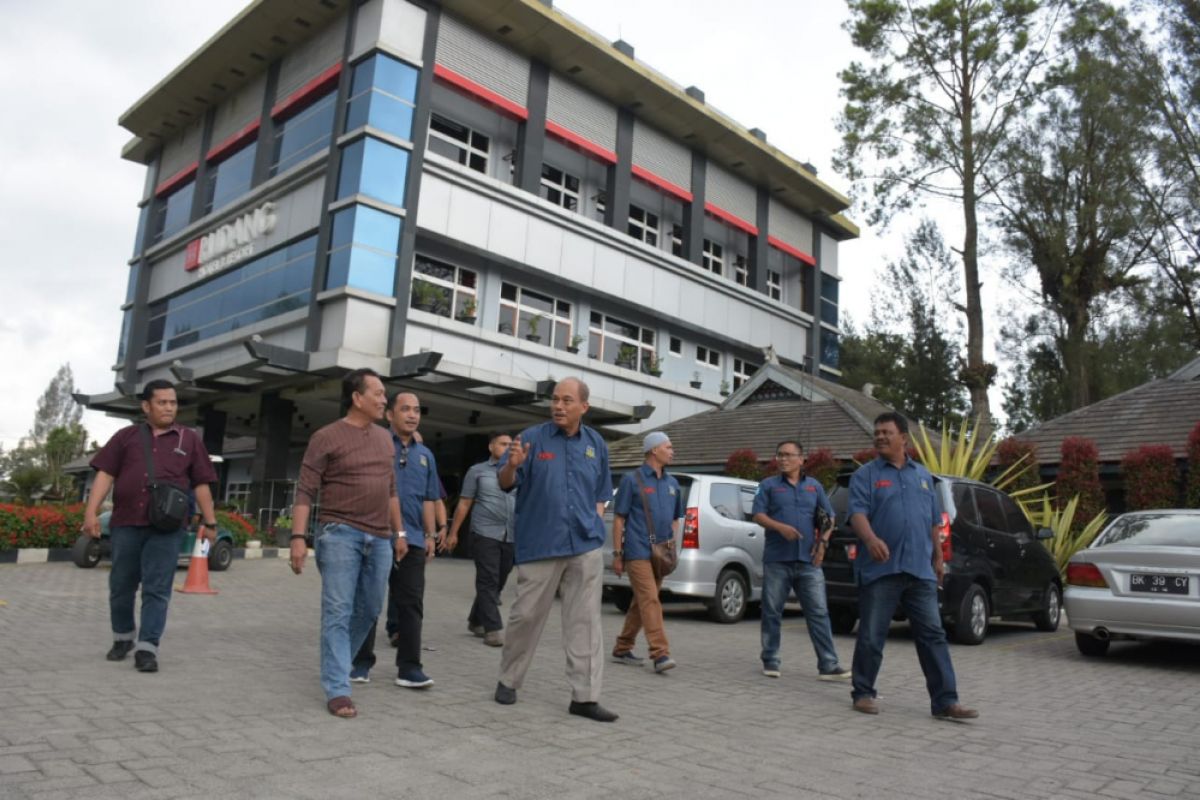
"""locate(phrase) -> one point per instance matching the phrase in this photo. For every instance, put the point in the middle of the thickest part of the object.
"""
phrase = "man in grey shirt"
(492, 545)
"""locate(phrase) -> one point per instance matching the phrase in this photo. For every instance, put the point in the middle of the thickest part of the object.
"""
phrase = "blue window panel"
(829, 312)
(131, 282)
(363, 248)
(380, 111)
(367, 226)
(303, 135)
(123, 342)
(382, 93)
(172, 213)
(375, 169)
(829, 288)
(363, 268)
(830, 349)
(143, 216)
(230, 179)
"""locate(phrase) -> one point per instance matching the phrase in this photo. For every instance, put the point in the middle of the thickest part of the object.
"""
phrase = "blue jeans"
(877, 602)
(147, 556)
(780, 578)
(354, 569)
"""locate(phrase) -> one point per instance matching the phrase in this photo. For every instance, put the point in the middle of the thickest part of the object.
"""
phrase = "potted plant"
(282, 529)
(626, 356)
(532, 326)
(576, 340)
(653, 366)
(467, 313)
(724, 388)
(426, 296)
(695, 382)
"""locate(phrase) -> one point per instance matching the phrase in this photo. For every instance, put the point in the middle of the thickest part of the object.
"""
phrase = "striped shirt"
(351, 468)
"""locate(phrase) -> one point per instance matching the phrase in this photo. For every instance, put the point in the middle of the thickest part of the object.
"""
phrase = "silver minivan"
(720, 561)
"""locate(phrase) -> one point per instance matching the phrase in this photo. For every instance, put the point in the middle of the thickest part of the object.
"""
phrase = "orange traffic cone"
(197, 577)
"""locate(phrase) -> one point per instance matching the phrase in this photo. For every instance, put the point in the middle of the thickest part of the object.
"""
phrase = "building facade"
(472, 199)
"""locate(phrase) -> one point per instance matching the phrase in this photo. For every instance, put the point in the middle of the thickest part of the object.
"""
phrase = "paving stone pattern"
(236, 710)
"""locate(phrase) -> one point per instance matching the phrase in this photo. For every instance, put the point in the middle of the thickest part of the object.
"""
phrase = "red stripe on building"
(586, 146)
(231, 144)
(307, 94)
(178, 179)
(659, 182)
(731, 219)
(470, 87)
(791, 251)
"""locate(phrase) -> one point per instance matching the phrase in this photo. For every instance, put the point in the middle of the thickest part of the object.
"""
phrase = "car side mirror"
(1045, 533)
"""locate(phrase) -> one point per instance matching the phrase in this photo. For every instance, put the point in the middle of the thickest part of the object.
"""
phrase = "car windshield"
(1157, 530)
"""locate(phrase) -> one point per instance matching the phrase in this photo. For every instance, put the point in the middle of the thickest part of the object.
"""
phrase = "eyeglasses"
(788, 455)
(403, 457)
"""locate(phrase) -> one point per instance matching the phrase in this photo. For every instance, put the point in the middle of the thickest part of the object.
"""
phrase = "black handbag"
(663, 557)
(168, 507)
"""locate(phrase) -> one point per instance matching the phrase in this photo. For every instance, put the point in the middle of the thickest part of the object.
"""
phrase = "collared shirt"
(558, 487)
(349, 468)
(902, 507)
(665, 500)
(791, 504)
(492, 510)
(179, 459)
(416, 482)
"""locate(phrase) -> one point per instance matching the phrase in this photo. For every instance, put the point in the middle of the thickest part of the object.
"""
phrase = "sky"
(68, 202)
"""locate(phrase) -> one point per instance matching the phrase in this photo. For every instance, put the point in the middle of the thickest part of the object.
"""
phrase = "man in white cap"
(647, 511)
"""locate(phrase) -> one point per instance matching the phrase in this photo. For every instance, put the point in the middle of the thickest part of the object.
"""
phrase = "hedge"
(39, 526)
(1193, 484)
(1151, 479)
(1079, 474)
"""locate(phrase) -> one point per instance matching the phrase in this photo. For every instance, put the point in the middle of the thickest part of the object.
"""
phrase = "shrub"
(39, 526)
(1193, 481)
(1079, 474)
(864, 455)
(1151, 480)
(240, 527)
(744, 464)
(821, 465)
(1013, 451)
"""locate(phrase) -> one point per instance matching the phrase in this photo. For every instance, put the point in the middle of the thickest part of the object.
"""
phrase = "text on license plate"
(1158, 584)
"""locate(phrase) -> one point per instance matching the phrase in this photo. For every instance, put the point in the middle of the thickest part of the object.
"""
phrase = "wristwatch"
(212, 525)
(400, 535)
(618, 553)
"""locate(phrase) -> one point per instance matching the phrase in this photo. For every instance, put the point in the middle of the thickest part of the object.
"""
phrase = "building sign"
(230, 243)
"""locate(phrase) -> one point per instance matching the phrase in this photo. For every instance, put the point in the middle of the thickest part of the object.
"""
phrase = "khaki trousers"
(580, 580)
(645, 612)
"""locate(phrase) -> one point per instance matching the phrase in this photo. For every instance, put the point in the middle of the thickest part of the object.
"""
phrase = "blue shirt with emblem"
(416, 482)
(558, 487)
(791, 504)
(902, 506)
(666, 505)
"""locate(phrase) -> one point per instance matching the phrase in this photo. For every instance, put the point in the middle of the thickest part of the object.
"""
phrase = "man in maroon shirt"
(142, 553)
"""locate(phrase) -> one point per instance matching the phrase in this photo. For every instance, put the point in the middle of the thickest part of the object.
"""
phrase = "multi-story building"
(471, 198)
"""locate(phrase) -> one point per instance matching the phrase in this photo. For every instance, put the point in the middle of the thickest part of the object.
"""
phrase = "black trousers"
(493, 563)
(405, 613)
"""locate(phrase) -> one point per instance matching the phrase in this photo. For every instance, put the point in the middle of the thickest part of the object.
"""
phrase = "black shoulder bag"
(168, 508)
(663, 557)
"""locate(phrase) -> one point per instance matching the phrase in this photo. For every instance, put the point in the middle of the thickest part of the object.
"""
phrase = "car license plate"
(1158, 584)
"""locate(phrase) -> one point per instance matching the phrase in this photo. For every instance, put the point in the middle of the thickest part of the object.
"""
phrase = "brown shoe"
(494, 638)
(956, 713)
(866, 705)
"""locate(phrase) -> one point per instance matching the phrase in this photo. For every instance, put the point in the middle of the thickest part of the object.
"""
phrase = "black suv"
(995, 565)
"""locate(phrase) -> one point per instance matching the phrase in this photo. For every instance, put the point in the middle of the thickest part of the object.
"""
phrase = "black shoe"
(505, 695)
(119, 651)
(592, 711)
(145, 661)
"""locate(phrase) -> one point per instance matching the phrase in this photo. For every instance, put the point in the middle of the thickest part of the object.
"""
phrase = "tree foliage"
(56, 407)
(1079, 476)
(1151, 477)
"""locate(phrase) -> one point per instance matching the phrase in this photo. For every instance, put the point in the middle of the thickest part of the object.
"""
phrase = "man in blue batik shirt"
(895, 513)
(560, 473)
(785, 505)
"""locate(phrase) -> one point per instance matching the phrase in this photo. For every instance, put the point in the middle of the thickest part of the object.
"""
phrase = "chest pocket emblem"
(672, 491)
(590, 452)
(424, 462)
(924, 485)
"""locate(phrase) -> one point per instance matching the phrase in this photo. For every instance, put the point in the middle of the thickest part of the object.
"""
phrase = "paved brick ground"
(237, 711)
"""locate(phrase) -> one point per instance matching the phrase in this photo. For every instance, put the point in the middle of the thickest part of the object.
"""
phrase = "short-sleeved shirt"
(665, 499)
(902, 507)
(416, 482)
(492, 509)
(350, 468)
(179, 459)
(791, 504)
(557, 488)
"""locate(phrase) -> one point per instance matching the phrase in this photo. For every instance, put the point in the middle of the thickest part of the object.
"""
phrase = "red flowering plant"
(821, 465)
(1079, 474)
(865, 455)
(744, 464)
(1151, 479)
(1013, 451)
(1193, 482)
(39, 526)
(238, 526)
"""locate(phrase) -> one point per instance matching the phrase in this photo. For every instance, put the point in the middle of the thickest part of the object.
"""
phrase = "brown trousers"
(645, 612)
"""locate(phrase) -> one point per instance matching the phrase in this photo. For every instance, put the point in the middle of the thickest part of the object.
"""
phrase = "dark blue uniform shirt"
(792, 505)
(902, 507)
(558, 487)
(666, 505)
(416, 482)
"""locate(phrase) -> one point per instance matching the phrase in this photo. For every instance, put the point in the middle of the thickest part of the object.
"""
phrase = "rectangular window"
(229, 179)
(774, 285)
(173, 212)
(303, 135)
(621, 343)
(643, 225)
(374, 168)
(362, 250)
(675, 346)
(457, 142)
(273, 284)
(381, 95)
(829, 300)
(741, 270)
(708, 357)
(830, 352)
(742, 370)
(560, 187)
(444, 289)
(536, 316)
(714, 257)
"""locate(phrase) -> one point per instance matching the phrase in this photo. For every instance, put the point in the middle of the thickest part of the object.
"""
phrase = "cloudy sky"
(68, 69)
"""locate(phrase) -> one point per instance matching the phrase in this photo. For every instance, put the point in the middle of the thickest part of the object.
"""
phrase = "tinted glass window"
(303, 135)
(172, 213)
(363, 253)
(374, 168)
(230, 179)
(726, 500)
(964, 504)
(991, 513)
(1017, 521)
(1162, 530)
(747, 502)
(685, 488)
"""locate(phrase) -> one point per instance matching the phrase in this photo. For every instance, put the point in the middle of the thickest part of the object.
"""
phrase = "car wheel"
(1089, 645)
(1047, 619)
(970, 627)
(221, 556)
(622, 599)
(731, 598)
(86, 552)
(842, 619)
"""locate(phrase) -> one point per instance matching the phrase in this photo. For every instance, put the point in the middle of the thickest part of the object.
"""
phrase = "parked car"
(995, 564)
(1139, 579)
(720, 560)
(88, 552)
